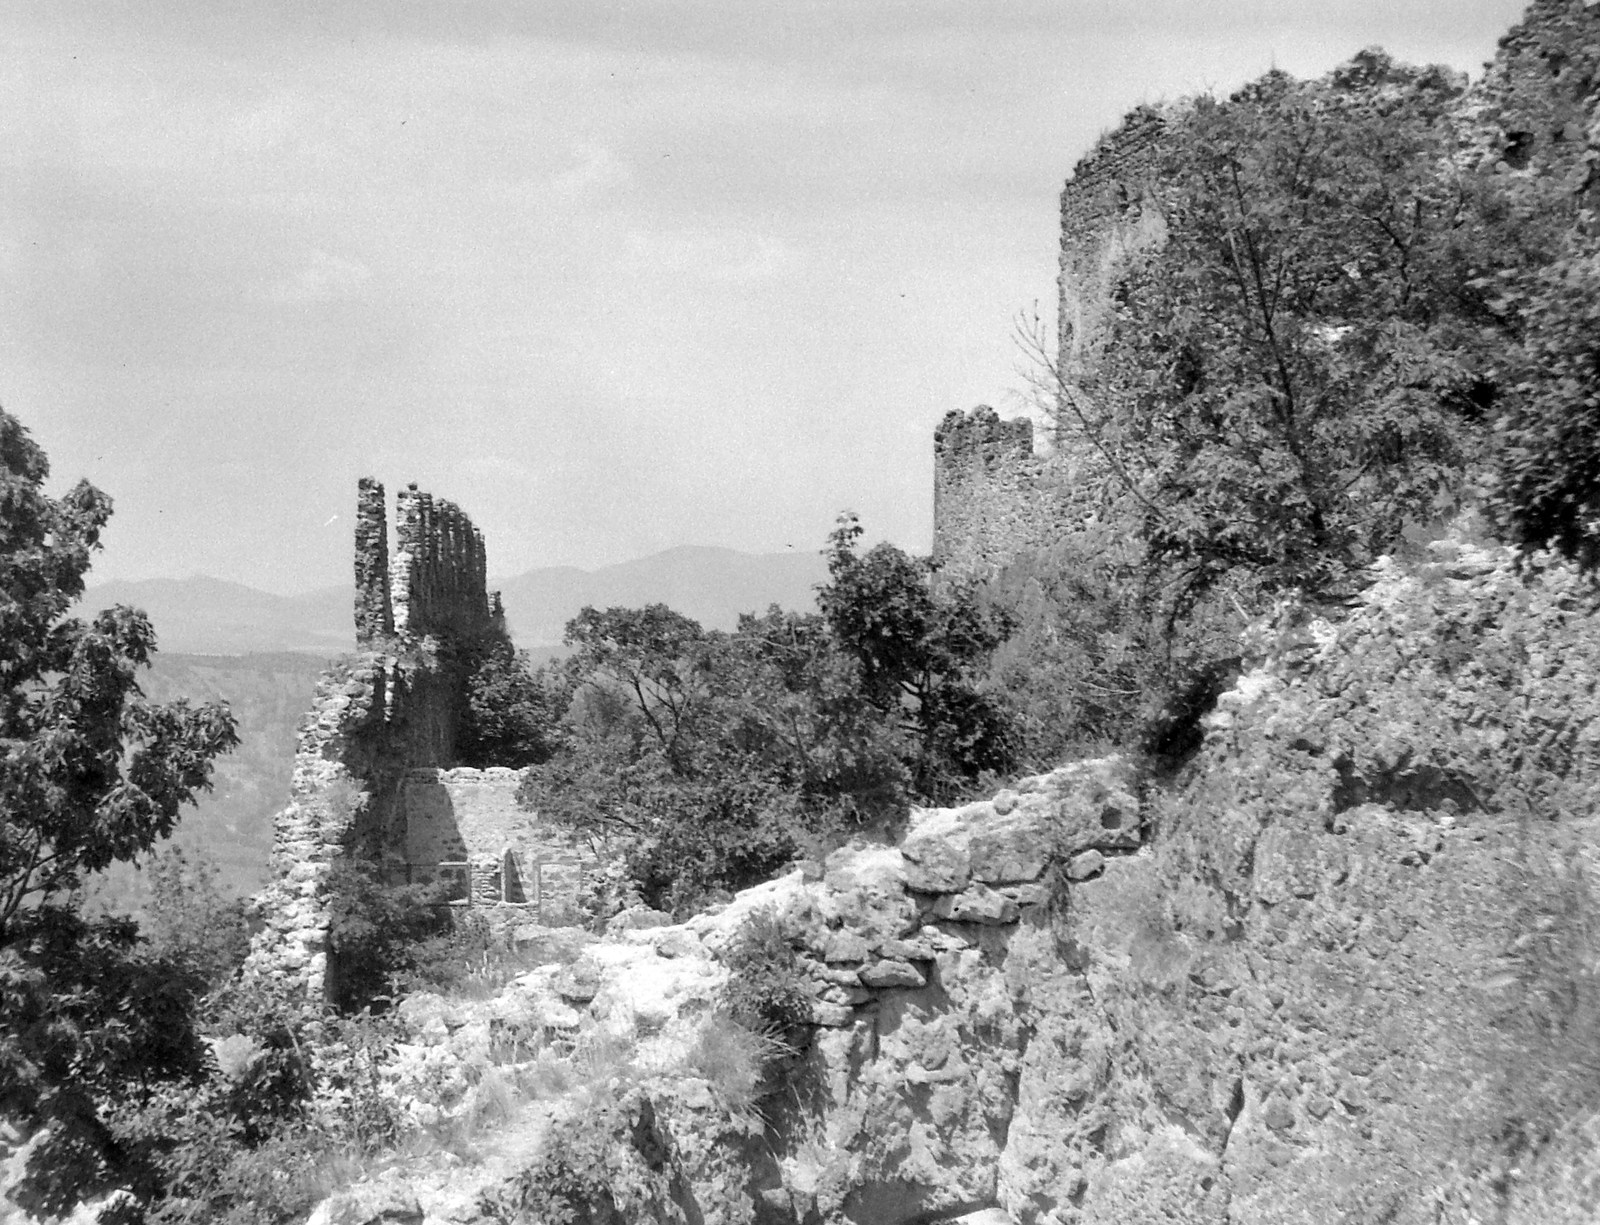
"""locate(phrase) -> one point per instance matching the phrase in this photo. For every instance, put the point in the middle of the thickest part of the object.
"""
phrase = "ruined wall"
(994, 497)
(467, 826)
(1107, 212)
(376, 753)
(1535, 112)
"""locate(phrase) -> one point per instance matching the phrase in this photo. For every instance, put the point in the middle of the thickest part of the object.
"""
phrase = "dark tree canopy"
(90, 774)
(715, 758)
(1283, 388)
(922, 652)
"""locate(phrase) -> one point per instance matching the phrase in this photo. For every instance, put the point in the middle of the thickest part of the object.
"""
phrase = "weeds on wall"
(766, 991)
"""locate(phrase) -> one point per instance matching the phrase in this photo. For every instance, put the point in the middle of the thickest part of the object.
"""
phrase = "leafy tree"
(716, 758)
(1288, 379)
(513, 710)
(1548, 438)
(660, 757)
(189, 921)
(921, 654)
(90, 773)
(658, 659)
(801, 703)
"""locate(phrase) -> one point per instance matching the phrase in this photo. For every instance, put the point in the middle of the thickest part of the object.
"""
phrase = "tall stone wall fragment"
(373, 779)
(1108, 212)
(439, 571)
(374, 616)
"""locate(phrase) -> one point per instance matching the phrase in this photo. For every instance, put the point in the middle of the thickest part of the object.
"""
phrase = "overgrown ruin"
(997, 496)
(376, 774)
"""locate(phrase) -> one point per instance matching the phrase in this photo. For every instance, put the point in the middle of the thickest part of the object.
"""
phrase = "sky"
(613, 276)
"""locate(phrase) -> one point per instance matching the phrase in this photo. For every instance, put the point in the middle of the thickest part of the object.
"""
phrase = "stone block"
(1086, 864)
(1035, 893)
(675, 942)
(841, 976)
(844, 945)
(865, 891)
(1014, 851)
(979, 904)
(906, 950)
(578, 984)
(942, 941)
(882, 974)
(637, 918)
(833, 1016)
(844, 995)
(935, 852)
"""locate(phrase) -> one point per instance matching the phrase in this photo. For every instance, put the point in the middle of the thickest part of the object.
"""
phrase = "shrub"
(190, 921)
(379, 935)
(734, 1059)
(765, 992)
(607, 1164)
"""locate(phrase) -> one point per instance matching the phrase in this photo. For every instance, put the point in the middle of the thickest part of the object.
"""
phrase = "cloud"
(322, 278)
(715, 254)
(598, 169)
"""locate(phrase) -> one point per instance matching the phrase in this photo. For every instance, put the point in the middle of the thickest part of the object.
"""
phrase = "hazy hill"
(269, 694)
(207, 616)
(709, 584)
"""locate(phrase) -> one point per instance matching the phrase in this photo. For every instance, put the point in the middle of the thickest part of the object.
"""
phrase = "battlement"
(434, 582)
(993, 497)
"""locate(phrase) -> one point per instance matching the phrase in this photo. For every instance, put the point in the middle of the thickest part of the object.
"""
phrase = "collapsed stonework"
(376, 777)
(1342, 970)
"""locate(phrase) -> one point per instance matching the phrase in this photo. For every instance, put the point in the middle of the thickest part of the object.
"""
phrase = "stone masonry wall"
(437, 577)
(377, 749)
(994, 497)
(1106, 213)
(374, 612)
(467, 825)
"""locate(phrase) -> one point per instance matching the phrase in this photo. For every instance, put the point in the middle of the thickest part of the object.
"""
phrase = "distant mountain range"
(207, 616)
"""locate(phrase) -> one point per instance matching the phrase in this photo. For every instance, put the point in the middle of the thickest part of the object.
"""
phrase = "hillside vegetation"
(1304, 930)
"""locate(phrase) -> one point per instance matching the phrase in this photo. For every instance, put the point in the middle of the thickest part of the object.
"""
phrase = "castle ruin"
(996, 497)
(376, 777)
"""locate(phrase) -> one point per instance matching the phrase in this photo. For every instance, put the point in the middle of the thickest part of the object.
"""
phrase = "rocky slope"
(1343, 970)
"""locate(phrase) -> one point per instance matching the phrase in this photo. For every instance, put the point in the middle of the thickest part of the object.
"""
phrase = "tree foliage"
(921, 653)
(1284, 387)
(513, 710)
(189, 921)
(1548, 439)
(90, 774)
(715, 758)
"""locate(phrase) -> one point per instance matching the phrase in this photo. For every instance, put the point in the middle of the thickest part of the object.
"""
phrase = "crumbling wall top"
(435, 579)
(980, 437)
(374, 615)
